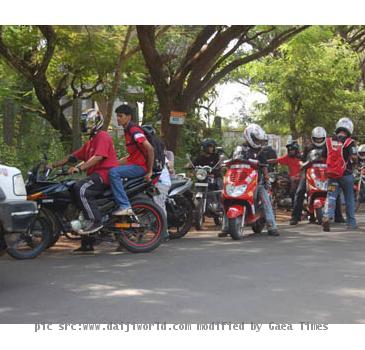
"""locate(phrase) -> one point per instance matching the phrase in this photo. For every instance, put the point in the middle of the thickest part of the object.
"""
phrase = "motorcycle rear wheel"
(185, 208)
(148, 237)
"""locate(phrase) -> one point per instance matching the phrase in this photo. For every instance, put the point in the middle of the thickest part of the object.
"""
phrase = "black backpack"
(156, 143)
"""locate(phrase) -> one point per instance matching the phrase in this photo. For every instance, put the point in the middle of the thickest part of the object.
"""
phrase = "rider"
(318, 142)
(292, 161)
(343, 133)
(361, 155)
(254, 138)
(209, 156)
(98, 156)
(139, 162)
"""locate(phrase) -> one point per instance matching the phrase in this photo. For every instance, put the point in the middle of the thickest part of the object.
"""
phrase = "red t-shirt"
(102, 145)
(136, 157)
(293, 163)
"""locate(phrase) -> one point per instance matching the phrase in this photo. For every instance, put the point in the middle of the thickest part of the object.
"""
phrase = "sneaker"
(326, 226)
(123, 212)
(273, 232)
(90, 228)
(349, 227)
(222, 234)
(340, 220)
(84, 249)
(293, 222)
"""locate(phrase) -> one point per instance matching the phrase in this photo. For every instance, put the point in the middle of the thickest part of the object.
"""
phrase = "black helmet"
(293, 146)
(208, 142)
(148, 128)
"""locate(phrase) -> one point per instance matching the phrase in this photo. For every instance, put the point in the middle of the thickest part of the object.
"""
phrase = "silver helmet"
(361, 152)
(254, 135)
(91, 121)
(319, 136)
(345, 124)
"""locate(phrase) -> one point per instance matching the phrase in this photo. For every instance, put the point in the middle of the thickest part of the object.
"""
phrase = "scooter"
(316, 186)
(241, 205)
(20, 236)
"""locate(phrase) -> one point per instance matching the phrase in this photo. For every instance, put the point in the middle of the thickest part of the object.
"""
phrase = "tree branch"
(276, 42)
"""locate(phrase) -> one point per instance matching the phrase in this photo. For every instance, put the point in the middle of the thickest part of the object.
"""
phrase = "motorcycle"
(207, 194)
(316, 185)
(180, 207)
(241, 205)
(140, 232)
(21, 235)
(280, 184)
(359, 187)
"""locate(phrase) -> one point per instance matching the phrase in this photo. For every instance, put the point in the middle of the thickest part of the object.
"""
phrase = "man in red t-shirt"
(292, 161)
(98, 156)
(139, 162)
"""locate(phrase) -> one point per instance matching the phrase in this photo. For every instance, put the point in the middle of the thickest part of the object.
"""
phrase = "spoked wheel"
(142, 234)
(30, 244)
(181, 220)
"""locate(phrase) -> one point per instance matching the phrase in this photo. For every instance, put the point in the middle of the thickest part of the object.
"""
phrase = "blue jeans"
(116, 184)
(346, 183)
(269, 212)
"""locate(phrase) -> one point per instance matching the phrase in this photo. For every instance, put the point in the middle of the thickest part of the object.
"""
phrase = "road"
(303, 275)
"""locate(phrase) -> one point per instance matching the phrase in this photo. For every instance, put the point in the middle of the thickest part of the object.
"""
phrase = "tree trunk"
(76, 133)
(293, 127)
(9, 122)
(53, 110)
(170, 132)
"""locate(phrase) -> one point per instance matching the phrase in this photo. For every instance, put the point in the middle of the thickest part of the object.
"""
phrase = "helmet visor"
(318, 139)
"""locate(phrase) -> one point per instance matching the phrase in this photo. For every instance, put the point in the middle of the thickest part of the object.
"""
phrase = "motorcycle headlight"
(321, 185)
(19, 186)
(201, 174)
(236, 191)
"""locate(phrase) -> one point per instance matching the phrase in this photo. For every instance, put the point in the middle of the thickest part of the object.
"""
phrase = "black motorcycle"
(207, 194)
(180, 207)
(140, 232)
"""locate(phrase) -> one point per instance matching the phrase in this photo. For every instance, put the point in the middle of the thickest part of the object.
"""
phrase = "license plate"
(201, 184)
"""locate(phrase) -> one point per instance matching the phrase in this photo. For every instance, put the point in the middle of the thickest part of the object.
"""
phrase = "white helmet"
(361, 152)
(254, 135)
(319, 136)
(91, 121)
(345, 124)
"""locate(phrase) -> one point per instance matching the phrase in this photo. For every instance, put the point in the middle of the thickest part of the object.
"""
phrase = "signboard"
(177, 118)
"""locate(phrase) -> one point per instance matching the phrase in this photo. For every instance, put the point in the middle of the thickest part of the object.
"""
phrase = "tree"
(185, 68)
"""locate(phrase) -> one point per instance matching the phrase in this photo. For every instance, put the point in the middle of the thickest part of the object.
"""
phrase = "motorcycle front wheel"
(30, 244)
(235, 229)
(199, 214)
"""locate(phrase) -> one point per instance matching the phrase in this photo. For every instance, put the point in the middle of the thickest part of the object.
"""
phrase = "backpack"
(336, 164)
(156, 143)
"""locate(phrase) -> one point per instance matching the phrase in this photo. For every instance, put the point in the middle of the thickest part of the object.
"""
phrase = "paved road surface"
(303, 275)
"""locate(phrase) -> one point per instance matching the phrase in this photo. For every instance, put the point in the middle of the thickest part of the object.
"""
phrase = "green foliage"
(311, 81)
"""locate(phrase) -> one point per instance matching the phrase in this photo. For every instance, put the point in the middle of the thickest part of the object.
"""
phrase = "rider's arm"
(150, 156)
(68, 159)
(123, 161)
(90, 163)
